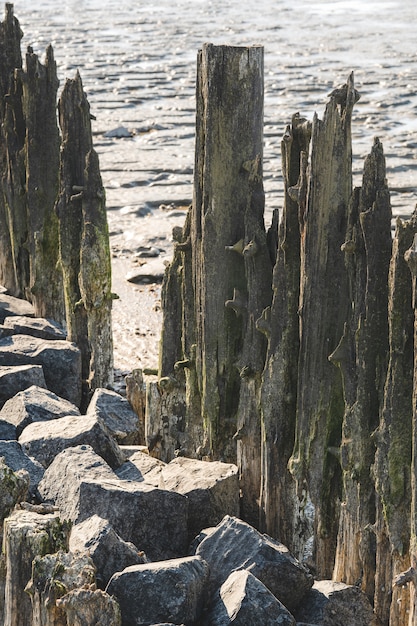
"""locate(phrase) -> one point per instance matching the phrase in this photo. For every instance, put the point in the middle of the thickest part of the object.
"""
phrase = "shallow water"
(137, 61)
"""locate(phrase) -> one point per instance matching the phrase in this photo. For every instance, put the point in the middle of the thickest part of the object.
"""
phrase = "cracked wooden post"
(281, 325)
(84, 241)
(393, 437)
(362, 355)
(411, 575)
(324, 307)
(13, 227)
(229, 135)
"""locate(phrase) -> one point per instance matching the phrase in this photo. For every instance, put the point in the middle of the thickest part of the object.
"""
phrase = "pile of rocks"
(96, 531)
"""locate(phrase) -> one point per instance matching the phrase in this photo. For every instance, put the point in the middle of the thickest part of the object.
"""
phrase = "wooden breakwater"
(289, 351)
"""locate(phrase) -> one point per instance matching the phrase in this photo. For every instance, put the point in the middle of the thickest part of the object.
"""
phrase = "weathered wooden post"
(84, 242)
(13, 229)
(324, 306)
(362, 356)
(281, 325)
(392, 470)
(410, 576)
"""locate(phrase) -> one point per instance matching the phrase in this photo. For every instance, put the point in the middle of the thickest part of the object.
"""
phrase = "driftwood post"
(324, 305)
(84, 242)
(362, 356)
(281, 325)
(394, 439)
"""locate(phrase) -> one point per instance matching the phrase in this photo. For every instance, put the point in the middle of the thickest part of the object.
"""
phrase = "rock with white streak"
(45, 440)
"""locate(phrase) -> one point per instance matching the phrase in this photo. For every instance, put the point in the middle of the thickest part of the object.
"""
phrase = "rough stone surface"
(170, 591)
(54, 575)
(235, 545)
(331, 603)
(62, 479)
(44, 440)
(244, 601)
(34, 326)
(27, 535)
(116, 412)
(212, 489)
(61, 362)
(7, 431)
(13, 489)
(35, 404)
(142, 467)
(86, 606)
(14, 306)
(16, 459)
(17, 377)
(107, 550)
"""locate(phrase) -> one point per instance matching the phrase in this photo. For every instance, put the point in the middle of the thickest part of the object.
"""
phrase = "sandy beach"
(138, 62)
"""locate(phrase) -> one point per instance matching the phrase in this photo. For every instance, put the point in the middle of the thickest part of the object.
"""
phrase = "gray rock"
(141, 467)
(116, 412)
(88, 606)
(15, 378)
(152, 519)
(34, 326)
(108, 551)
(35, 404)
(243, 600)
(233, 544)
(13, 489)
(60, 360)
(45, 440)
(61, 481)
(212, 489)
(331, 603)
(167, 591)
(16, 459)
(14, 306)
(7, 431)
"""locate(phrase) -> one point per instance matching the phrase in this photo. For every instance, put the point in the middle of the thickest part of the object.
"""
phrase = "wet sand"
(138, 64)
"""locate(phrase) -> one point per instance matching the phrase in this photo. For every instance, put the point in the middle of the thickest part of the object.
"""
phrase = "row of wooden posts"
(289, 351)
(54, 244)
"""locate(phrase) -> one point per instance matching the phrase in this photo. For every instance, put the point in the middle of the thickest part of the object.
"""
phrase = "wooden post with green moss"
(84, 242)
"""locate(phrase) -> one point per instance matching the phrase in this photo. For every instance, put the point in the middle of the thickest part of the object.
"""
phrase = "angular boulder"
(331, 603)
(88, 606)
(167, 591)
(35, 327)
(243, 600)
(212, 489)
(45, 440)
(117, 414)
(108, 551)
(152, 519)
(60, 360)
(14, 378)
(13, 489)
(233, 545)
(61, 481)
(35, 404)
(141, 467)
(9, 305)
(16, 459)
